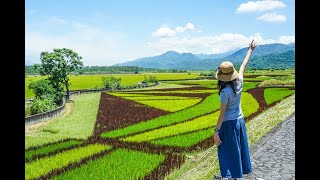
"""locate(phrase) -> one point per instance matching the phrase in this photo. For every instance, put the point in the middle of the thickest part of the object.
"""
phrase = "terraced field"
(143, 134)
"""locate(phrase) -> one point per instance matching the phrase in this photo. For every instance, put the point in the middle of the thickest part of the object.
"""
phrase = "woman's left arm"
(216, 138)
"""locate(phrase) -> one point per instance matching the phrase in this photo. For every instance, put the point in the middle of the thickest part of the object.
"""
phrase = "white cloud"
(212, 44)
(259, 6)
(164, 32)
(57, 20)
(272, 17)
(286, 39)
(188, 26)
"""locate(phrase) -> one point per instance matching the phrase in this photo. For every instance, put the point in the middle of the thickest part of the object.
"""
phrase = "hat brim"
(229, 77)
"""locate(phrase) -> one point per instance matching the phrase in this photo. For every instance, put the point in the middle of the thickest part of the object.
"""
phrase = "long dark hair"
(223, 84)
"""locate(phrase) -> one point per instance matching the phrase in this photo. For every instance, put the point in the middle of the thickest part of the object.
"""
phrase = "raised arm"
(243, 66)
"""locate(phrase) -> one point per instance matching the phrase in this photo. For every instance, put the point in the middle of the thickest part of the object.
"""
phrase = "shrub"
(42, 89)
(27, 111)
(41, 105)
(111, 83)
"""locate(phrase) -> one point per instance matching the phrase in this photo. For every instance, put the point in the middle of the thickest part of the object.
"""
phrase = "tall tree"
(58, 64)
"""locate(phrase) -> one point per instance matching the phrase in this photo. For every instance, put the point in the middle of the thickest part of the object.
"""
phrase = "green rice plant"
(79, 123)
(263, 77)
(153, 97)
(274, 94)
(202, 83)
(44, 150)
(249, 104)
(255, 79)
(162, 85)
(210, 104)
(119, 164)
(171, 105)
(189, 126)
(185, 140)
(169, 92)
(249, 85)
(88, 81)
(120, 94)
(39, 167)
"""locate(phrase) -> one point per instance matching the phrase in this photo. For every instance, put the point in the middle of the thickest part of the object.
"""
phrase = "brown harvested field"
(115, 112)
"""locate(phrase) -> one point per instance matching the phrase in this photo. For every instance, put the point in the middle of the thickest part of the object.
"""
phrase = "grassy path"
(79, 123)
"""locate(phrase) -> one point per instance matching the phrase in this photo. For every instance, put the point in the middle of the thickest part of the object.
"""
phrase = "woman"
(230, 134)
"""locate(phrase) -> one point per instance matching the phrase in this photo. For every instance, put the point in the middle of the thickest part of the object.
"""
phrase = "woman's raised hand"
(252, 45)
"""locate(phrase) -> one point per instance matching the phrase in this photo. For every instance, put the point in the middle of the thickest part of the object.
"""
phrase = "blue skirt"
(233, 152)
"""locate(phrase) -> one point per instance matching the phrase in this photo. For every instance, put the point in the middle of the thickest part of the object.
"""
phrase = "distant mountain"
(215, 56)
(273, 61)
(189, 61)
(168, 60)
(260, 51)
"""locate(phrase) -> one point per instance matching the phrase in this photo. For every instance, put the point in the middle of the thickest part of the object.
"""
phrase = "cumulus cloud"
(188, 26)
(286, 39)
(57, 20)
(259, 6)
(212, 44)
(272, 17)
(165, 32)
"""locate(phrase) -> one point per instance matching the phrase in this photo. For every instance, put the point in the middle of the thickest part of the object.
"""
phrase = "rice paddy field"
(138, 134)
(95, 81)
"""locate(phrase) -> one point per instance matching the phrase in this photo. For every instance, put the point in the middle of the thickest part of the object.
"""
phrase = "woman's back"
(233, 101)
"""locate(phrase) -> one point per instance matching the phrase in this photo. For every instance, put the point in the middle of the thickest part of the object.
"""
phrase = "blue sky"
(105, 32)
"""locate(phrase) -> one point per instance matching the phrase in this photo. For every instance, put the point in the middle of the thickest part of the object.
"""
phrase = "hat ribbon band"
(227, 73)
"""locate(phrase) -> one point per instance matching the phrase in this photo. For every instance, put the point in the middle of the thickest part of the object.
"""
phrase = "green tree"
(57, 65)
(111, 83)
(153, 79)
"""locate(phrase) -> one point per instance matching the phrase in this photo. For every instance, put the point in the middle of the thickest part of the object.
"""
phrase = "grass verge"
(78, 124)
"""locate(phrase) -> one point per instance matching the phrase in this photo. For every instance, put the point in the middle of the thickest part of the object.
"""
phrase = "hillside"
(189, 61)
(284, 60)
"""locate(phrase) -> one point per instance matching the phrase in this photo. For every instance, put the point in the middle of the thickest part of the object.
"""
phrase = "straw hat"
(226, 72)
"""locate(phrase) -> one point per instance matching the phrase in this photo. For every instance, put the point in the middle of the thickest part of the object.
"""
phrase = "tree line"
(30, 70)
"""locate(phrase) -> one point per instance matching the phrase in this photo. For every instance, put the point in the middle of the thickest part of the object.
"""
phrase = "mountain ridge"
(189, 61)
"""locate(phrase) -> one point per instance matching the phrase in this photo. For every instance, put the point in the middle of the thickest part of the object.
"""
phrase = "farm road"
(273, 157)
